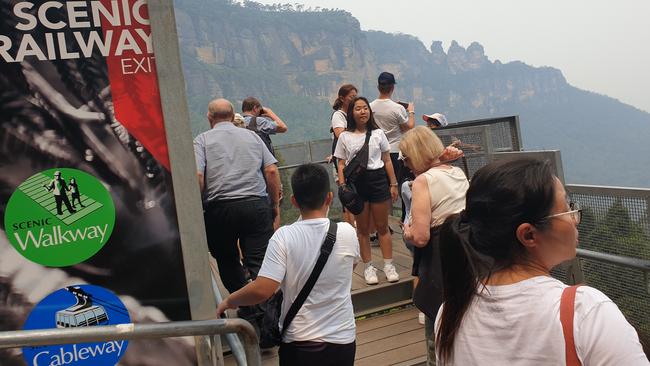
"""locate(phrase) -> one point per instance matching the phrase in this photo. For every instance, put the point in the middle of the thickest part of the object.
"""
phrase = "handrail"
(43, 337)
(628, 192)
(627, 262)
(233, 341)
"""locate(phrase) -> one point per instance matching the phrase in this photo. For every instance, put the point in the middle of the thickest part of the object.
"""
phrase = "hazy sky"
(601, 46)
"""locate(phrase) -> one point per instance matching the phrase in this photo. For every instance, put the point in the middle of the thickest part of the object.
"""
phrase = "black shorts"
(317, 354)
(373, 186)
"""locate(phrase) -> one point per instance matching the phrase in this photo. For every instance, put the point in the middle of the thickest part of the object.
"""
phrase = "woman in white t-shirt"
(438, 192)
(376, 186)
(347, 93)
(501, 305)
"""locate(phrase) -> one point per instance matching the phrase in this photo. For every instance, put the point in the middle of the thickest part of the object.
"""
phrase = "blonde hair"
(239, 121)
(422, 147)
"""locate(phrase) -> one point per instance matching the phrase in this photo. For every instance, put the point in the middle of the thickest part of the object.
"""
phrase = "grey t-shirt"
(389, 116)
(231, 160)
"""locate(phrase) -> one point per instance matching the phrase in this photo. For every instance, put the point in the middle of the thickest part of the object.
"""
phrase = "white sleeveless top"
(447, 188)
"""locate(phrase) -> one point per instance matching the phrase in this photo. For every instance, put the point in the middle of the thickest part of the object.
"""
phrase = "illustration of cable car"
(81, 314)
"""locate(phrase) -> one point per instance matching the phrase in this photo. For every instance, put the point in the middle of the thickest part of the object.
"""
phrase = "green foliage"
(619, 234)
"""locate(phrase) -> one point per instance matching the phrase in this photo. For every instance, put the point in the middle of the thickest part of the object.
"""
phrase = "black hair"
(310, 184)
(249, 104)
(385, 88)
(482, 239)
(352, 124)
(344, 90)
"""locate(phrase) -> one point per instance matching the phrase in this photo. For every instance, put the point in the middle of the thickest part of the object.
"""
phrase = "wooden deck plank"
(382, 332)
(413, 351)
(394, 341)
(385, 320)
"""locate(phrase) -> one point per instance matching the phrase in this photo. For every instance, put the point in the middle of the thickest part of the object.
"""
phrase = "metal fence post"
(186, 193)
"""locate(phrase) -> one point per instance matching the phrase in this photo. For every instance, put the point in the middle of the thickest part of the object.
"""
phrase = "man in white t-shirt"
(323, 330)
(395, 120)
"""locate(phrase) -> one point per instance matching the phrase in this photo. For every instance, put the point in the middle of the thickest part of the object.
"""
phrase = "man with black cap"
(394, 119)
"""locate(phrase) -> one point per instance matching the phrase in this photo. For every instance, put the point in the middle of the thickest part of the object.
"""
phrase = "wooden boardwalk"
(392, 339)
(401, 258)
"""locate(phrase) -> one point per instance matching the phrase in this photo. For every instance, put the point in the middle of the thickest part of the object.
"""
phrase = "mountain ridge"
(294, 61)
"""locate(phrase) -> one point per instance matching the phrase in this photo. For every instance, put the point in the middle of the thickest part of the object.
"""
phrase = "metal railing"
(505, 133)
(209, 328)
(614, 248)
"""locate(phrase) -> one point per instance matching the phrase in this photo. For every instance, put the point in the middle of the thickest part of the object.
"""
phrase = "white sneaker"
(421, 318)
(370, 275)
(391, 273)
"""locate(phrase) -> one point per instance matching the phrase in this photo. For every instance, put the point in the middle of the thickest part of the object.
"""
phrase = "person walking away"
(376, 186)
(323, 331)
(501, 305)
(241, 184)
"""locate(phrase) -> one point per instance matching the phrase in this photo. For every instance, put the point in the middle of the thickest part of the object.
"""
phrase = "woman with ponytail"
(438, 191)
(339, 123)
(501, 305)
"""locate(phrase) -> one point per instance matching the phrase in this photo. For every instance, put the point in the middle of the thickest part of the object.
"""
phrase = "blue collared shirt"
(232, 160)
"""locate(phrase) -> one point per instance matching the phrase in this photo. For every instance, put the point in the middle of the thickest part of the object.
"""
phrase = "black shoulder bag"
(266, 139)
(348, 195)
(270, 334)
(359, 163)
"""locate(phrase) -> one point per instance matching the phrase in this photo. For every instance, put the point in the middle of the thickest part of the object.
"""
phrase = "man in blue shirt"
(262, 120)
(240, 182)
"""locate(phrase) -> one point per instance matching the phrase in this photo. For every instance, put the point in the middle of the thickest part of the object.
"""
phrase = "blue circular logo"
(74, 307)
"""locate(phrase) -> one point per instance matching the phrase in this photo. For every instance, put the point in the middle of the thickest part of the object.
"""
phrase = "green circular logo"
(59, 217)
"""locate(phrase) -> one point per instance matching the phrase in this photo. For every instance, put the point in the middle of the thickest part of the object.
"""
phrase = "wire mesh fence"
(505, 134)
(615, 221)
(475, 143)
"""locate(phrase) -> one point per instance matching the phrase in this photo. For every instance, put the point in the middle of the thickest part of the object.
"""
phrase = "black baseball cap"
(386, 78)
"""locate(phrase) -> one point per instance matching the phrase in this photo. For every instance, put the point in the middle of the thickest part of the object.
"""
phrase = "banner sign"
(86, 193)
(77, 307)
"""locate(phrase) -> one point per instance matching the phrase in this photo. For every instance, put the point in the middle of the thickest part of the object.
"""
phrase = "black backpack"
(252, 125)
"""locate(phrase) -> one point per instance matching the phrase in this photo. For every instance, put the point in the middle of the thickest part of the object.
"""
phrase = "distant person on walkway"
(323, 331)
(394, 120)
(501, 305)
(438, 191)
(239, 178)
(339, 123)
(262, 120)
(435, 120)
(377, 185)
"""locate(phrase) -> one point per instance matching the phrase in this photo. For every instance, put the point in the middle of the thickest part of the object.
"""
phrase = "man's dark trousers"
(249, 221)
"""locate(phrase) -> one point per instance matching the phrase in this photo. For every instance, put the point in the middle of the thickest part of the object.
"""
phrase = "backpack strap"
(325, 250)
(567, 310)
(252, 125)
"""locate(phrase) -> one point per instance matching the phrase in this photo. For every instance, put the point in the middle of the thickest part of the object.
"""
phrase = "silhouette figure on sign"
(59, 188)
(74, 193)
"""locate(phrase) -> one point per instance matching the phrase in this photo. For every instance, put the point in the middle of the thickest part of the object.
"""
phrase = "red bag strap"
(567, 309)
